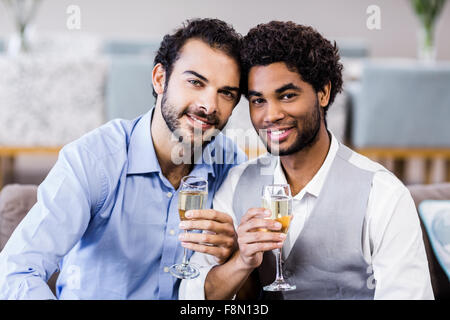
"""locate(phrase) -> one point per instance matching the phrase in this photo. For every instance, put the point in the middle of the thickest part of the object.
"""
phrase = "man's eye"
(195, 82)
(228, 94)
(258, 101)
(288, 96)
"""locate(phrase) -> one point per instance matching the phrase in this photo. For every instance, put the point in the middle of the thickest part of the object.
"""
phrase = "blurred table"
(9, 154)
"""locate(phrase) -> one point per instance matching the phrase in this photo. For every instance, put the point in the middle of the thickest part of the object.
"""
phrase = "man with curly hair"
(355, 232)
(107, 213)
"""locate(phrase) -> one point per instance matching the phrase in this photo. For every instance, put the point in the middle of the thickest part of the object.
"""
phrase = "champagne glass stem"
(279, 277)
(185, 261)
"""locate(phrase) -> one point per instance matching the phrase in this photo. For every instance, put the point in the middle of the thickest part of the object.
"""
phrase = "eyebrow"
(279, 90)
(288, 87)
(198, 75)
(228, 88)
(254, 93)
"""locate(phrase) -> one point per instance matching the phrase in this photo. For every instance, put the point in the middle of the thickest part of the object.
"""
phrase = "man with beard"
(355, 232)
(107, 213)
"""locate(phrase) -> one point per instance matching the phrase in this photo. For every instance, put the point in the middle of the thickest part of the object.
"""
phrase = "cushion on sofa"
(15, 202)
(435, 215)
(420, 193)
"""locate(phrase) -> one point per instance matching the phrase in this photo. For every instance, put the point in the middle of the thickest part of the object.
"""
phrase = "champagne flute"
(193, 195)
(277, 198)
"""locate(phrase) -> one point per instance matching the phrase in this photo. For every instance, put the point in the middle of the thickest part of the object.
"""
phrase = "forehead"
(214, 64)
(267, 79)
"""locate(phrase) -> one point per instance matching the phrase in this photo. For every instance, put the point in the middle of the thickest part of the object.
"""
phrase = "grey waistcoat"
(326, 261)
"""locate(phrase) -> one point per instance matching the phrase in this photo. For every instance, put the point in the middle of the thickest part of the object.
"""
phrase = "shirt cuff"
(34, 290)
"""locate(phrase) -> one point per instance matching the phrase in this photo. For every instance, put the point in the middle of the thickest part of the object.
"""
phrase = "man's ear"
(324, 94)
(159, 78)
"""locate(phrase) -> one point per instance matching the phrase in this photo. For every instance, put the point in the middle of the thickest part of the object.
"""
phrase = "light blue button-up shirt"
(107, 218)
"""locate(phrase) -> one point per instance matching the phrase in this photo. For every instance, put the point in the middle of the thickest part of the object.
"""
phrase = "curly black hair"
(303, 50)
(217, 33)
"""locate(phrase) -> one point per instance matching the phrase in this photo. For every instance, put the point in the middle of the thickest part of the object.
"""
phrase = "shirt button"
(169, 194)
(172, 232)
(166, 269)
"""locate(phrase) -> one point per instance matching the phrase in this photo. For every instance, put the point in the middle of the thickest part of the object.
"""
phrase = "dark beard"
(308, 135)
(169, 114)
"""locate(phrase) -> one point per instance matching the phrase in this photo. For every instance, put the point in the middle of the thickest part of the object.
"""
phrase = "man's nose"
(208, 102)
(274, 113)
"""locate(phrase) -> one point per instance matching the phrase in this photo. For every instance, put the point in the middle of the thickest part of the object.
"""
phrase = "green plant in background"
(428, 12)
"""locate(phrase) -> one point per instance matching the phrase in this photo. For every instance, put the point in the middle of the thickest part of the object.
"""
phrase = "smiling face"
(201, 93)
(284, 109)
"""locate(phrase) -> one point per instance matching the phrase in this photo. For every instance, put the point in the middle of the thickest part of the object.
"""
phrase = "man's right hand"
(225, 280)
(253, 240)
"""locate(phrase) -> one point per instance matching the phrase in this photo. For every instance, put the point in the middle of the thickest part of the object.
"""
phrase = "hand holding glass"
(277, 198)
(193, 195)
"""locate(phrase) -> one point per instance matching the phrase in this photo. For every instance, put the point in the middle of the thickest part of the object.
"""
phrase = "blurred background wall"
(147, 21)
(334, 19)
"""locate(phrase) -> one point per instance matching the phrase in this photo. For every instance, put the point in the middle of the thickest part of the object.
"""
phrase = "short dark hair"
(303, 50)
(217, 33)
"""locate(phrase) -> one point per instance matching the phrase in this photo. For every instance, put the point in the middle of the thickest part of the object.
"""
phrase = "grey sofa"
(16, 200)
(402, 99)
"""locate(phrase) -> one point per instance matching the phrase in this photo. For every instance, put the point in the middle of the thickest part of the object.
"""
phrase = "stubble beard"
(196, 139)
(306, 138)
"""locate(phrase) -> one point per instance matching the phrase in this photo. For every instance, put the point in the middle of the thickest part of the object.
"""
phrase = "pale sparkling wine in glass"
(277, 198)
(190, 200)
(280, 207)
(193, 195)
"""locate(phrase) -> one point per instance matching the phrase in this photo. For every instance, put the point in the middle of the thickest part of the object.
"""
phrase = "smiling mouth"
(279, 134)
(200, 122)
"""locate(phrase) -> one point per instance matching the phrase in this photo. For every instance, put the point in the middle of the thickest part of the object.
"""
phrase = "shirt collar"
(141, 151)
(142, 156)
(315, 185)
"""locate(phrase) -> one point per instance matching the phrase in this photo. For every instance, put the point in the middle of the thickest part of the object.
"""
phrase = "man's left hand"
(218, 237)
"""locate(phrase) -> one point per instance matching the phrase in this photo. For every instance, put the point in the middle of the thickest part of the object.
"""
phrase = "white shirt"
(391, 237)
